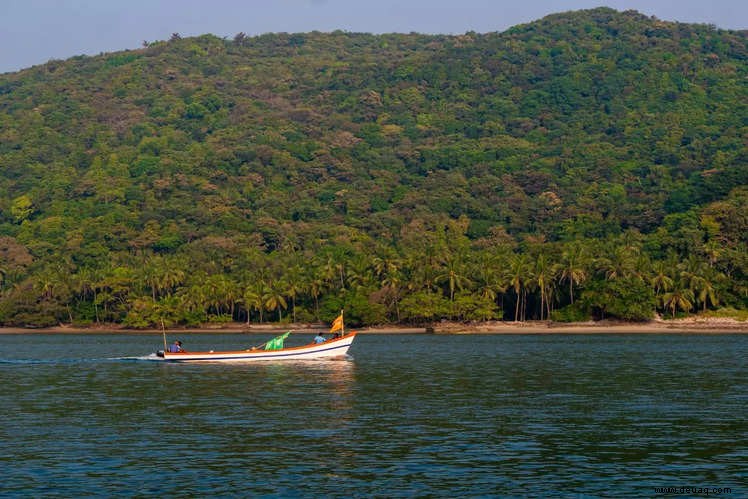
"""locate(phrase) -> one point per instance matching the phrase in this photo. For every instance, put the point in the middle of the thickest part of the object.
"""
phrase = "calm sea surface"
(423, 415)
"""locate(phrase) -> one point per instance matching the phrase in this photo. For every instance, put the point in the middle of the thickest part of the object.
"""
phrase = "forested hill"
(591, 163)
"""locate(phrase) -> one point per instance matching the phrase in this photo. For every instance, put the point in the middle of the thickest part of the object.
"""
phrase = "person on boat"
(175, 347)
(320, 338)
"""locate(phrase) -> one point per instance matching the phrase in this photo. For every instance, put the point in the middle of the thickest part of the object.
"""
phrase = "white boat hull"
(329, 349)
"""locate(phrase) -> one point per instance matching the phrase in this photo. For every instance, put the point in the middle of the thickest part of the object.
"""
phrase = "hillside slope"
(387, 174)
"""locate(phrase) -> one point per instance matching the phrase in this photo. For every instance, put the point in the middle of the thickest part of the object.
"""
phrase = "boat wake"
(24, 362)
(149, 357)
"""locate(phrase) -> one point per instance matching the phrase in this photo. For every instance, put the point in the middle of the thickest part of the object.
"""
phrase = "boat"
(273, 349)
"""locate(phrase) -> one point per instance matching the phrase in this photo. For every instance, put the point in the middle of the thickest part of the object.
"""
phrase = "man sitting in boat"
(175, 347)
(320, 338)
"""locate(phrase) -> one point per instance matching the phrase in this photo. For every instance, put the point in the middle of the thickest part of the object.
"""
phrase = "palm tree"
(572, 267)
(452, 274)
(544, 279)
(392, 285)
(192, 295)
(621, 263)
(86, 285)
(46, 285)
(56, 284)
(387, 271)
(679, 298)
(220, 292)
(661, 280)
(692, 274)
(114, 286)
(519, 277)
(340, 267)
(149, 277)
(334, 268)
(166, 311)
(316, 288)
(707, 293)
(252, 296)
(274, 298)
(423, 275)
(294, 286)
(489, 281)
(384, 266)
(700, 279)
(327, 270)
(713, 250)
(358, 274)
(171, 276)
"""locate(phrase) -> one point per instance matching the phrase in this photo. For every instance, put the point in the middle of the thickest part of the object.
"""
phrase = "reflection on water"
(405, 415)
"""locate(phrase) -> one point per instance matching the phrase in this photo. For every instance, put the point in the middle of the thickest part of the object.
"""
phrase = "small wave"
(28, 362)
(22, 362)
(25, 361)
(151, 356)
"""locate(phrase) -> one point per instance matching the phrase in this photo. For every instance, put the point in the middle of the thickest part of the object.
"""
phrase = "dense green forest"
(591, 164)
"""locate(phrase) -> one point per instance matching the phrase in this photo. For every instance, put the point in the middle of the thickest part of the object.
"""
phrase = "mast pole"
(163, 330)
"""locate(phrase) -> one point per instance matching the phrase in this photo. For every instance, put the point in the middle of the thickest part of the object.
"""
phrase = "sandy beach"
(659, 326)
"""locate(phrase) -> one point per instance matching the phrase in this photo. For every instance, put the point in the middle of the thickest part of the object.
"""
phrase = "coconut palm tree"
(543, 275)
(274, 299)
(572, 267)
(452, 272)
(221, 293)
(701, 279)
(86, 286)
(519, 274)
(358, 274)
(293, 284)
(679, 299)
(316, 286)
(713, 250)
(148, 277)
(707, 294)
(171, 276)
(422, 275)
(384, 266)
(661, 281)
(387, 271)
(621, 263)
(489, 278)
(252, 297)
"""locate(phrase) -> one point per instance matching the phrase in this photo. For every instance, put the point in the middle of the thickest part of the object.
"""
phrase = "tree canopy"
(591, 163)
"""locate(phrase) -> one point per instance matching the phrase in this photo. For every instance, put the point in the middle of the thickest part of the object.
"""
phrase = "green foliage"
(424, 306)
(406, 178)
(625, 298)
(21, 208)
(219, 319)
(576, 312)
(473, 307)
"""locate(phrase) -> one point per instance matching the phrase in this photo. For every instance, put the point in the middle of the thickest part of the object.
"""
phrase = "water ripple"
(408, 415)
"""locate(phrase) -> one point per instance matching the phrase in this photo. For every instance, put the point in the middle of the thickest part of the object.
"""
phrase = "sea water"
(404, 415)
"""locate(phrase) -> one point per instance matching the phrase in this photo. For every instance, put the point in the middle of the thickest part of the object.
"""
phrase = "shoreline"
(658, 326)
(653, 327)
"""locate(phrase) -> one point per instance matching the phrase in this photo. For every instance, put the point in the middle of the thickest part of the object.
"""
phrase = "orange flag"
(337, 324)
